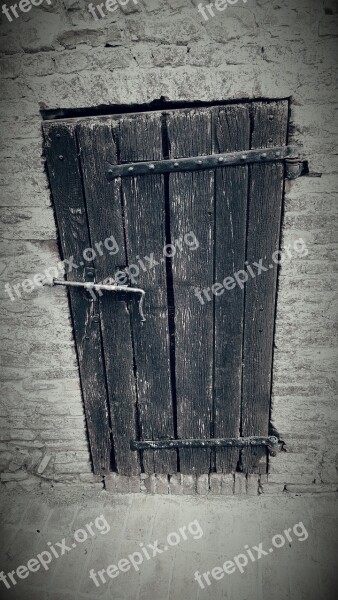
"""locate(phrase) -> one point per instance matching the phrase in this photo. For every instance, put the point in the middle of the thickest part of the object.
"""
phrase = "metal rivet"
(277, 153)
(110, 171)
(200, 162)
(176, 164)
(95, 319)
(58, 135)
(221, 159)
(151, 167)
(131, 169)
(61, 157)
(263, 155)
(243, 157)
(271, 117)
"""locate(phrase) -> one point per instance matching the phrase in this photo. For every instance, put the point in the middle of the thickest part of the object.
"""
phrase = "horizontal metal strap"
(194, 163)
(271, 442)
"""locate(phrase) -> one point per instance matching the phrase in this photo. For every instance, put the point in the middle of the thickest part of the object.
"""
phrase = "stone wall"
(58, 56)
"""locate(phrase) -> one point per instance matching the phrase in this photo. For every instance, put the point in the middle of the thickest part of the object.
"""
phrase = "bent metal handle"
(106, 287)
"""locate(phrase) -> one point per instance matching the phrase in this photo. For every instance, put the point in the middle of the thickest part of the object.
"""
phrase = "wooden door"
(199, 367)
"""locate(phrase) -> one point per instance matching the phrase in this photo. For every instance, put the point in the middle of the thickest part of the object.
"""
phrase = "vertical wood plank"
(65, 181)
(144, 206)
(264, 222)
(191, 197)
(105, 218)
(231, 132)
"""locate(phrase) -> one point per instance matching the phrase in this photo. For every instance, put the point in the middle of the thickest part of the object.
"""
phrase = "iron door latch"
(113, 287)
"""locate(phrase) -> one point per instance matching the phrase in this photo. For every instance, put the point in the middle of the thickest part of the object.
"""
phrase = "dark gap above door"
(51, 114)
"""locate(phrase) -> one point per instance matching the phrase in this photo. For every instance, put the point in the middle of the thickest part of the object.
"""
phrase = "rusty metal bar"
(272, 443)
(212, 161)
(104, 287)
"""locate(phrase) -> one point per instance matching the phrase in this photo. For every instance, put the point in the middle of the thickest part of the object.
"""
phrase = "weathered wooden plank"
(264, 222)
(231, 132)
(105, 219)
(65, 181)
(144, 206)
(191, 197)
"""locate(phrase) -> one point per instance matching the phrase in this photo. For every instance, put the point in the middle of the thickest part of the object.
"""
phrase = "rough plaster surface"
(59, 56)
(299, 569)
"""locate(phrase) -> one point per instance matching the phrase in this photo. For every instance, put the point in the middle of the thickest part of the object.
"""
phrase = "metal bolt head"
(95, 319)
(176, 164)
(263, 155)
(61, 157)
(271, 117)
(199, 162)
(243, 157)
(131, 169)
(152, 167)
(221, 159)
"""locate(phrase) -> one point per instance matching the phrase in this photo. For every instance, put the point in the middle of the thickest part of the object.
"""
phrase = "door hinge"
(293, 167)
(289, 154)
(271, 443)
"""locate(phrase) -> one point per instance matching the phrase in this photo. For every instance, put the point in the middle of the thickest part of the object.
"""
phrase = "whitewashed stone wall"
(58, 56)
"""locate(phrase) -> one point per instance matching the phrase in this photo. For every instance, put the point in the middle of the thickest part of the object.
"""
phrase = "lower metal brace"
(271, 443)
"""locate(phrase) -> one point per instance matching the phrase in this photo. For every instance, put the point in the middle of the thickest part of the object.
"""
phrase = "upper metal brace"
(288, 153)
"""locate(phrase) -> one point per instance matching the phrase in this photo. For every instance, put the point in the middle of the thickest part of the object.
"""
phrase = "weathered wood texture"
(192, 209)
(140, 138)
(103, 200)
(231, 131)
(193, 370)
(66, 187)
(264, 223)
